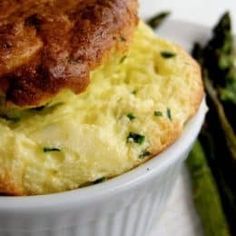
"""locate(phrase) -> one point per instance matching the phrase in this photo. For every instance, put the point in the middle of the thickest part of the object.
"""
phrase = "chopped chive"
(14, 119)
(135, 138)
(100, 180)
(144, 154)
(168, 112)
(123, 59)
(38, 108)
(167, 55)
(46, 108)
(49, 149)
(9, 118)
(131, 116)
(158, 113)
(122, 38)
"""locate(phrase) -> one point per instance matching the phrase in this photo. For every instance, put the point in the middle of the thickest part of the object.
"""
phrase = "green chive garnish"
(158, 113)
(144, 154)
(123, 39)
(49, 149)
(38, 108)
(100, 180)
(167, 55)
(123, 59)
(135, 138)
(9, 118)
(168, 112)
(131, 116)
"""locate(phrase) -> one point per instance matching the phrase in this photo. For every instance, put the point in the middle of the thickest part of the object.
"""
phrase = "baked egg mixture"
(135, 106)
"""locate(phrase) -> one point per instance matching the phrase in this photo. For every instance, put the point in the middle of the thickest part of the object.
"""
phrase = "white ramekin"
(123, 206)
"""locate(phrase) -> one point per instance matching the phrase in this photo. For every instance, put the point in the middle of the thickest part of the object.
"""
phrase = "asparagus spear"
(206, 195)
(157, 20)
(219, 74)
(221, 172)
(226, 126)
(220, 62)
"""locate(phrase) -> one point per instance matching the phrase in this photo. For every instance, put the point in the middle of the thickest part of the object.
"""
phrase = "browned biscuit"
(50, 45)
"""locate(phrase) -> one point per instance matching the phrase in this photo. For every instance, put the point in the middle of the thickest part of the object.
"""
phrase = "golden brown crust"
(9, 186)
(50, 45)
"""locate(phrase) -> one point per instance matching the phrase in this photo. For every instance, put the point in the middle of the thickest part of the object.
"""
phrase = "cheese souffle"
(140, 91)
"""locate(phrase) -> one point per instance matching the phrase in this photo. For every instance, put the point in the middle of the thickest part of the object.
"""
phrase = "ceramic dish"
(123, 206)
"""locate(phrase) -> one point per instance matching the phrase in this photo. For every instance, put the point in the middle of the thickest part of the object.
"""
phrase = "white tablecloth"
(205, 12)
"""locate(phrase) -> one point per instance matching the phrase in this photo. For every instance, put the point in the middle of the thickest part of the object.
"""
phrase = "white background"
(199, 11)
(179, 217)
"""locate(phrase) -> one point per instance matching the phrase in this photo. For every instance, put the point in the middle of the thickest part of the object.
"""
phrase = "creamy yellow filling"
(132, 106)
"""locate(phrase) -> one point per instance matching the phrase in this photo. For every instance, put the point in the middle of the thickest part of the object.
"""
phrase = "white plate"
(184, 33)
(179, 217)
